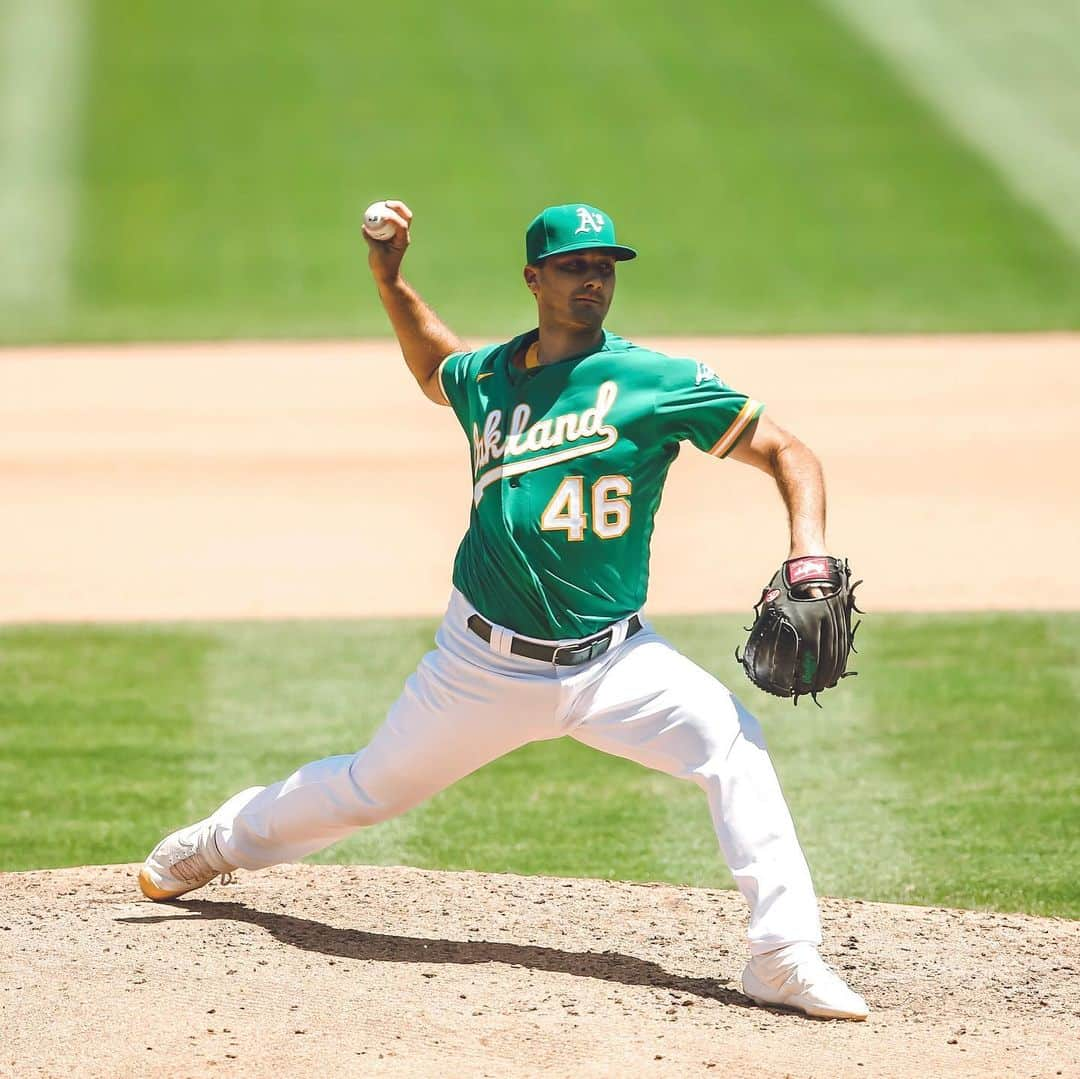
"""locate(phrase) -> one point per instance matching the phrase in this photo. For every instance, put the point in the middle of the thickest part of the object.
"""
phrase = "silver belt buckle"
(598, 648)
(588, 651)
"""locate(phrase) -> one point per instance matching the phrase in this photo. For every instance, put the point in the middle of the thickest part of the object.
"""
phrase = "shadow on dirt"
(315, 936)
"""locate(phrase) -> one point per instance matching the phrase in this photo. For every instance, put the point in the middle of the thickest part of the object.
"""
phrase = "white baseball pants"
(471, 701)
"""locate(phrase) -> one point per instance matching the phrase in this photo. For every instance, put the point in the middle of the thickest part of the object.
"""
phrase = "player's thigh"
(653, 705)
(450, 719)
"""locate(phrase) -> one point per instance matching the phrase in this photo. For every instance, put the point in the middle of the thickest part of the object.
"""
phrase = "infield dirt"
(350, 970)
(312, 480)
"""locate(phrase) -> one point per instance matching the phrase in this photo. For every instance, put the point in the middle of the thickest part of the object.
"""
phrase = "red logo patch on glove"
(808, 569)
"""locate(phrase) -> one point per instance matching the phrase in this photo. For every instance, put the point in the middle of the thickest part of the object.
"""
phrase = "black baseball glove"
(802, 633)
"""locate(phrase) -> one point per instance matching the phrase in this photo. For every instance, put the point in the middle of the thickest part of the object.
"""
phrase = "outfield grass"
(775, 172)
(944, 774)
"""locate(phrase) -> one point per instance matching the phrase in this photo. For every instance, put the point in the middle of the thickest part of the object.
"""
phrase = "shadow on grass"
(315, 936)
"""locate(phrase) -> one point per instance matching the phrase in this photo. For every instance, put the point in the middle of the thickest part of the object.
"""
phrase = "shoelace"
(192, 867)
(189, 870)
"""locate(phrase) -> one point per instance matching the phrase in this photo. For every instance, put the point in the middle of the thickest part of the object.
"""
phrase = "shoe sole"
(160, 895)
(814, 1010)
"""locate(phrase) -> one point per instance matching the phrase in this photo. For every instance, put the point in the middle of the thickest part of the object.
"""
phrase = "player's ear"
(532, 279)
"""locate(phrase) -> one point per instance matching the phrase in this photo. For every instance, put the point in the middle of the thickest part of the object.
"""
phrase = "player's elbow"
(431, 387)
(793, 456)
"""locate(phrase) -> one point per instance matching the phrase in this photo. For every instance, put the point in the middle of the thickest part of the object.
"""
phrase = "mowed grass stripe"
(943, 774)
(1008, 86)
(42, 44)
(96, 735)
(979, 717)
(782, 178)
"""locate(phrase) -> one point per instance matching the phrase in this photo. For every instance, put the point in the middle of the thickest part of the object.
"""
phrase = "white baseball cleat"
(189, 857)
(795, 976)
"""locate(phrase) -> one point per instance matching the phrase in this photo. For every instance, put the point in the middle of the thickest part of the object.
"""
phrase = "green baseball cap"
(573, 227)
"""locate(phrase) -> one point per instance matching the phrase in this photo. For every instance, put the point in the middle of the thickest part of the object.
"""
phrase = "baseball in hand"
(376, 222)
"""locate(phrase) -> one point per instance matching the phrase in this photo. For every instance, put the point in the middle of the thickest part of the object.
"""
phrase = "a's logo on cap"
(588, 221)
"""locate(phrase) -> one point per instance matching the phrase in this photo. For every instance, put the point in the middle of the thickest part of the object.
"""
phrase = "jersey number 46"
(610, 505)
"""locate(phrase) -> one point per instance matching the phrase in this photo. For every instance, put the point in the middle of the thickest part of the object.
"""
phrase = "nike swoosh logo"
(484, 374)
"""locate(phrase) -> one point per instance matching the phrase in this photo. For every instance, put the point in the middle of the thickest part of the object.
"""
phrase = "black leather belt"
(567, 655)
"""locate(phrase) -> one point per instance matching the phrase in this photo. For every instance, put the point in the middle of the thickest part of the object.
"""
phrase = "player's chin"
(588, 312)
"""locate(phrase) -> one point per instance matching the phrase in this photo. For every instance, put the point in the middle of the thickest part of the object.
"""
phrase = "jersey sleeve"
(694, 404)
(453, 381)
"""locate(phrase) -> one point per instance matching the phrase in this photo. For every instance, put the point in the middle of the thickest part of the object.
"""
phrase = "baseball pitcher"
(571, 432)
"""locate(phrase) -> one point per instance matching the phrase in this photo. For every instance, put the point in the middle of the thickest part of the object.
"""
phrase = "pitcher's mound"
(354, 970)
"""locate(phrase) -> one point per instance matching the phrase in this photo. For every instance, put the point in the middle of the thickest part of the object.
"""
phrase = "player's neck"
(561, 342)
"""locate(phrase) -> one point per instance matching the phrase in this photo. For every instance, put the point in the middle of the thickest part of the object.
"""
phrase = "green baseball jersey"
(568, 463)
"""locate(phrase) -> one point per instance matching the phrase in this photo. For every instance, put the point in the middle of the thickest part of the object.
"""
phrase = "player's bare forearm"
(801, 483)
(424, 339)
(799, 479)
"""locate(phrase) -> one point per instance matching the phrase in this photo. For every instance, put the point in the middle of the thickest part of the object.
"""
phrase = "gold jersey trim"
(439, 374)
(746, 415)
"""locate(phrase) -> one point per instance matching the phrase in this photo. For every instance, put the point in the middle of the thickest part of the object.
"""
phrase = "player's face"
(573, 290)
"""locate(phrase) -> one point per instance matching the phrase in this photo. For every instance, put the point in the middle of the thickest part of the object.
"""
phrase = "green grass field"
(944, 775)
(775, 172)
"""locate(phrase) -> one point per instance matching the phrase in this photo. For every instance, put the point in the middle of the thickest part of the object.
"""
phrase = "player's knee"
(729, 721)
(365, 808)
(720, 736)
(749, 727)
(373, 798)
